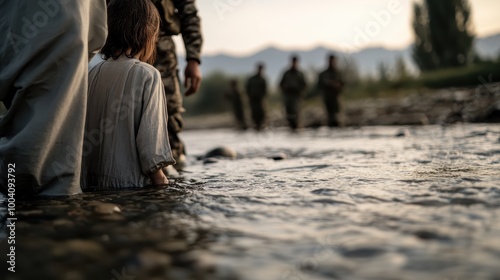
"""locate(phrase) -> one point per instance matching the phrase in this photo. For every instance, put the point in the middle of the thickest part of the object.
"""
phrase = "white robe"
(126, 135)
(43, 71)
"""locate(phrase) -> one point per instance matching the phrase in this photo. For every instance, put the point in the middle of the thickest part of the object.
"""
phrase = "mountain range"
(367, 60)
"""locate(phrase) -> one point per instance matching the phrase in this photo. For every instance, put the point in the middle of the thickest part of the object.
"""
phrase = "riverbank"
(420, 107)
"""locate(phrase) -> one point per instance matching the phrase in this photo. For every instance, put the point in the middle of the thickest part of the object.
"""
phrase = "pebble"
(63, 223)
(201, 260)
(105, 208)
(113, 218)
(152, 259)
(31, 213)
(84, 247)
(402, 133)
(173, 246)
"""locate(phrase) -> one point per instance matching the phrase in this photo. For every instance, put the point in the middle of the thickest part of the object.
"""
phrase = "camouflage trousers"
(258, 112)
(292, 109)
(166, 63)
(333, 108)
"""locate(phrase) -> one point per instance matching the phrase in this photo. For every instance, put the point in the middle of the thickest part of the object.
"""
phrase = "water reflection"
(345, 204)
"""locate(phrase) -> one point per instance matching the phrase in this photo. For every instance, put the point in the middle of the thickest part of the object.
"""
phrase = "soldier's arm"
(326, 82)
(341, 80)
(190, 28)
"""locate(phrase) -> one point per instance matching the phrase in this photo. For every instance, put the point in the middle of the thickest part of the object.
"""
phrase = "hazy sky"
(240, 27)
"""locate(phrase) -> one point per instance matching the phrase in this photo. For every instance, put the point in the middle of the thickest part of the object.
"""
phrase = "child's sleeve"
(152, 136)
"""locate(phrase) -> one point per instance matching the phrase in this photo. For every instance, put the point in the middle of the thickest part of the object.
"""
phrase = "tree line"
(443, 51)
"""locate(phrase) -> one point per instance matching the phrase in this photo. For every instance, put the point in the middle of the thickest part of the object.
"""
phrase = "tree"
(401, 70)
(211, 97)
(383, 72)
(422, 49)
(349, 69)
(443, 36)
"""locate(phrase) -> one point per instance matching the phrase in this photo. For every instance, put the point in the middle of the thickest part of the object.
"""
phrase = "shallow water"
(344, 204)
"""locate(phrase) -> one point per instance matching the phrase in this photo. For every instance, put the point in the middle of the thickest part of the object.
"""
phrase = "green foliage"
(210, 98)
(488, 72)
(401, 70)
(349, 70)
(383, 72)
(469, 76)
(443, 34)
(422, 49)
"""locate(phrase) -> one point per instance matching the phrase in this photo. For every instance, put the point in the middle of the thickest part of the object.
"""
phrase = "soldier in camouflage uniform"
(234, 96)
(178, 17)
(330, 84)
(293, 85)
(256, 89)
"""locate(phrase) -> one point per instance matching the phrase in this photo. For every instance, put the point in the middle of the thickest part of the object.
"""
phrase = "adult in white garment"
(43, 84)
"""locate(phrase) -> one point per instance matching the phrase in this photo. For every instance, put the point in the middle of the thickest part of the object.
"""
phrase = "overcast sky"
(241, 27)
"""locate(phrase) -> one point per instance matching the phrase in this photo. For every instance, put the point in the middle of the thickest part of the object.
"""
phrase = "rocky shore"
(422, 107)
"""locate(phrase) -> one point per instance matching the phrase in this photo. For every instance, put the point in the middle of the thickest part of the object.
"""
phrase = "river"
(381, 202)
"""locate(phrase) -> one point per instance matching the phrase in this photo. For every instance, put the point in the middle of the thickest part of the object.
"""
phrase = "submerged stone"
(280, 156)
(222, 152)
(105, 208)
(210, 161)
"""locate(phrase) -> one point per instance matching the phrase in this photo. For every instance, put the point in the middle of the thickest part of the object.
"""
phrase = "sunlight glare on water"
(356, 202)
(340, 204)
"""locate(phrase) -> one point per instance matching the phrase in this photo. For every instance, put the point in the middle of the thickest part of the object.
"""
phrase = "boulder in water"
(222, 152)
(280, 156)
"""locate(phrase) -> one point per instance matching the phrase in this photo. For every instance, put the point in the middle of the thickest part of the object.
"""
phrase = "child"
(126, 138)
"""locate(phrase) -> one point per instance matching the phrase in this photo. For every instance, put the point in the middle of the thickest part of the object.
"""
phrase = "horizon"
(308, 49)
(365, 24)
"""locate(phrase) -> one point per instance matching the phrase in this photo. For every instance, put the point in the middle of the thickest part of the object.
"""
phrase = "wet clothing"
(43, 82)
(234, 96)
(126, 125)
(256, 89)
(293, 85)
(178, 17)
(330, 84)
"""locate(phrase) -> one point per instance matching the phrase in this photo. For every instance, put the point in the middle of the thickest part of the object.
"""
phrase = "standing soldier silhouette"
(178, 17)
(330, 84)
(234, 96)
(256, 88)
(293, 85)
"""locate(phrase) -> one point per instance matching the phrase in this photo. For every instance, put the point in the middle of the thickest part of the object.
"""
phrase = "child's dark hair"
(133, 27)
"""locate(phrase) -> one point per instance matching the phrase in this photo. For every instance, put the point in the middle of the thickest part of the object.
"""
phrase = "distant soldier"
(256, 88)
(293, 85)
(178, 17)
(234, 95)
(330, 84)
